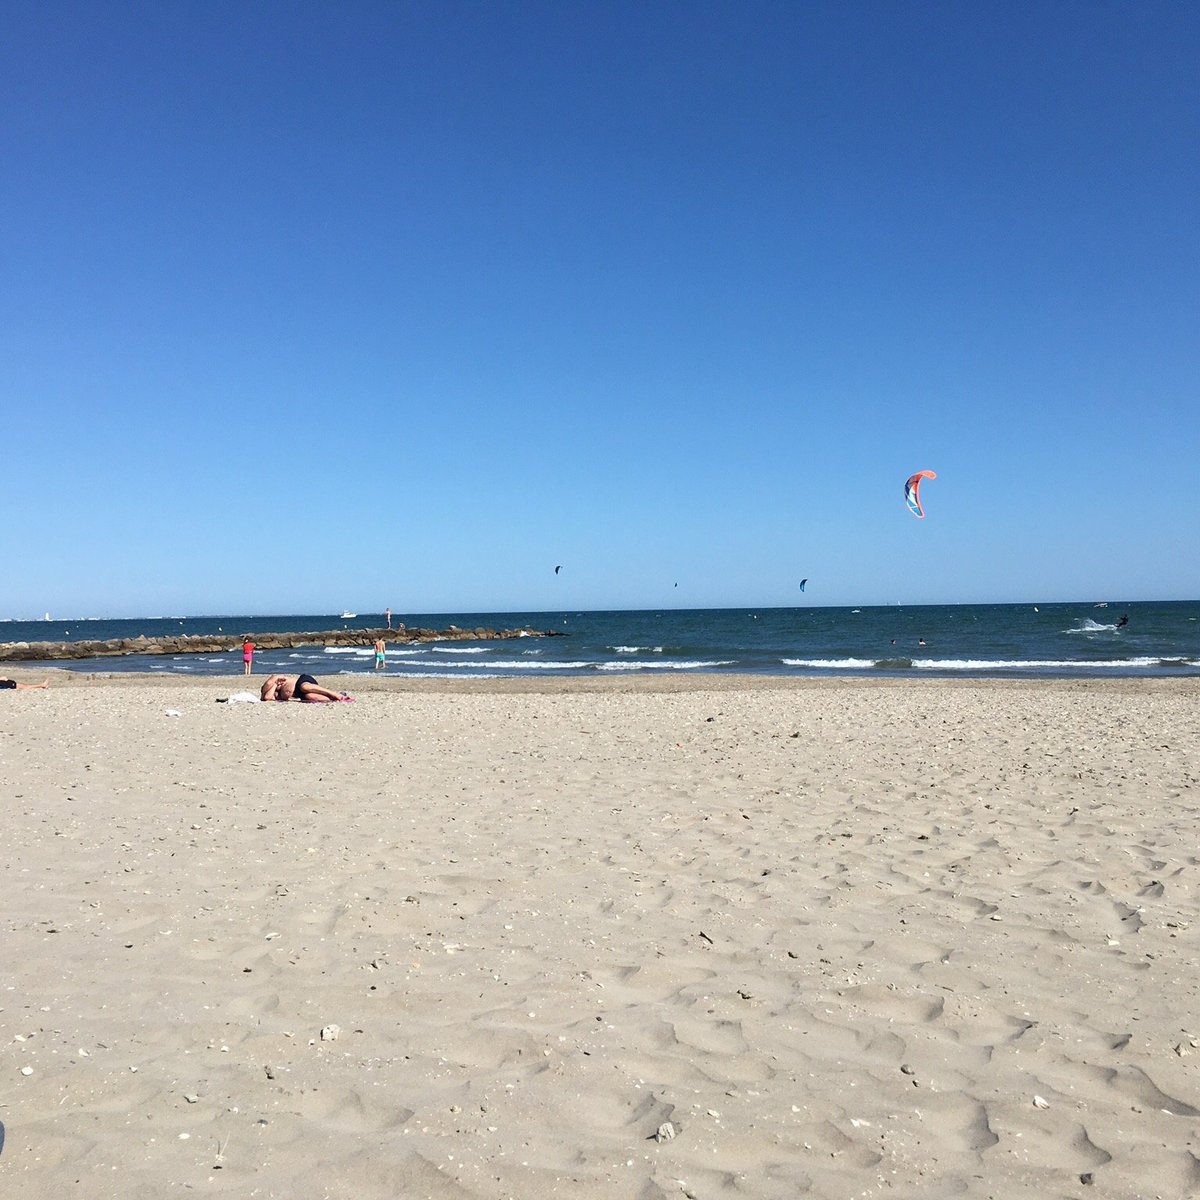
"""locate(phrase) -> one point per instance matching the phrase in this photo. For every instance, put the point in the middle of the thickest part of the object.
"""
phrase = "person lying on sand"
(8, 685)
(299, 687)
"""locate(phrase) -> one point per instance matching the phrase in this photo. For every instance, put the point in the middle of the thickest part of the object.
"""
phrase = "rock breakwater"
(218, 643)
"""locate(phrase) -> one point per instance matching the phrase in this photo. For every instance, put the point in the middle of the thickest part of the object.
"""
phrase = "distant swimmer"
(920, 641)
(1123, 621)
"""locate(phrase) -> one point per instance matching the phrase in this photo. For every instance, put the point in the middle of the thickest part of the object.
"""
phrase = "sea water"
(1066, 640)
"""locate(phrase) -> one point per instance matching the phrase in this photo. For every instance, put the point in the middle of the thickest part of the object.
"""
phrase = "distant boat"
(1102, 604)
(347, 616)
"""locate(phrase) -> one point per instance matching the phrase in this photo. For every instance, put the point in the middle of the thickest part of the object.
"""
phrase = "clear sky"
(310, 306)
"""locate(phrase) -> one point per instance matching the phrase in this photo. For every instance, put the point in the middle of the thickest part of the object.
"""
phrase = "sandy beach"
(604, 939)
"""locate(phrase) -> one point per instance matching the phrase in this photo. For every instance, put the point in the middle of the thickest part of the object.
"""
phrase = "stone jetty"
(204, 643)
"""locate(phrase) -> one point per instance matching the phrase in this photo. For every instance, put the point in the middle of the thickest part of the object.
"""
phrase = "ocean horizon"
(1081, 639)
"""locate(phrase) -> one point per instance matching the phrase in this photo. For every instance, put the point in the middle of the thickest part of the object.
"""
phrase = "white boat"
(347, 616)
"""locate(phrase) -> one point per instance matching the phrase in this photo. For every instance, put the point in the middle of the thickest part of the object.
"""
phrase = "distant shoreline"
(749, 605)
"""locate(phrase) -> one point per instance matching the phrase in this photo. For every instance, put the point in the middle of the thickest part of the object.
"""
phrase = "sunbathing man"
(8, 685)
(298, 687)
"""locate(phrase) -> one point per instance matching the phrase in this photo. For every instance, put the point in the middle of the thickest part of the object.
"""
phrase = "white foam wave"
(366, 652)
(1042, 664)
(636, 649)
(420, 675)
(832, 664)
(447, 675)
(462, 649)
(515, 665)
(1090, 626)
(628, 664)
(995, 664)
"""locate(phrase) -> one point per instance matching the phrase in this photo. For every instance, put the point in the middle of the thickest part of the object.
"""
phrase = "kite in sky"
(558, 568)
(912, 491)
(803, 582)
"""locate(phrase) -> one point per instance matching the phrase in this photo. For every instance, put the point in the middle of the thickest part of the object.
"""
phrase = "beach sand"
(841, 938)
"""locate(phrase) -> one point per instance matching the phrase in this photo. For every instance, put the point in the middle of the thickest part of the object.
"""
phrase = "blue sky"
(306, 306)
